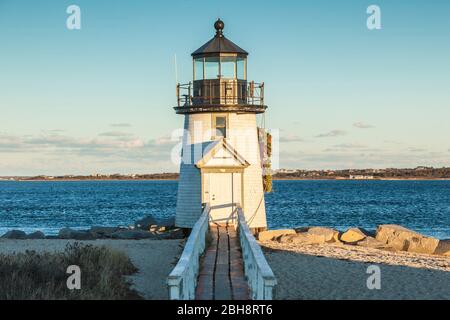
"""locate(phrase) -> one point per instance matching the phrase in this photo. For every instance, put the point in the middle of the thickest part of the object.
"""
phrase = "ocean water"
(423, 206)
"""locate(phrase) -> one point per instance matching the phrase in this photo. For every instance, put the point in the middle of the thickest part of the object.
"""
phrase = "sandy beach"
(339, 272)
(154, 259)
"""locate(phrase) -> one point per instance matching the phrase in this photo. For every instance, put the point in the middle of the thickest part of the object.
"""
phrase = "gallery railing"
(219, 91)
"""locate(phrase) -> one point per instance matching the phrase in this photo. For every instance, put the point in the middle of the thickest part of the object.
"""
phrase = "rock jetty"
(146, 228)
(386, 237)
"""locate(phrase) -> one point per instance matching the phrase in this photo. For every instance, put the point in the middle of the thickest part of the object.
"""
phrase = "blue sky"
(100, 99)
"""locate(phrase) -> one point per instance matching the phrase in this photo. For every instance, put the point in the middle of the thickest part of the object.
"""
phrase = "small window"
(220, 125)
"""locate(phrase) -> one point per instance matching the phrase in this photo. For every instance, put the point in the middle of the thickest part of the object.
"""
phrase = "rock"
(270, 234)
(176, 234)
(158, 229)
(302, 229)
(36, 235)
(303, 238)
(103, 232)
(330, 234)
(67, 233)
(287, 238)
(353, 235)
(133, 234)
(371, 242)
(443, 247)
(404, 239)
(15, 234)
(145, 223)
(167, 223)
(172, 234)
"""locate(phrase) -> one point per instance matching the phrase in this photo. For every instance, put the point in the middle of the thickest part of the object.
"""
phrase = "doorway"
(224, 194)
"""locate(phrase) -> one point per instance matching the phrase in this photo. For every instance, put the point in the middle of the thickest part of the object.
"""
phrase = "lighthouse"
(220, 157)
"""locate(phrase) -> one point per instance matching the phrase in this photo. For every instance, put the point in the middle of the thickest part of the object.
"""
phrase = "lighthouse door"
(221, 197)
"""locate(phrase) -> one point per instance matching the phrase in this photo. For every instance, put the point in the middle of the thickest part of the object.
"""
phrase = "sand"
(340, 272)
(155, 259)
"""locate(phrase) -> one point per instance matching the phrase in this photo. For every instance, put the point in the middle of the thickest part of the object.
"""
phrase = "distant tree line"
(407, 173)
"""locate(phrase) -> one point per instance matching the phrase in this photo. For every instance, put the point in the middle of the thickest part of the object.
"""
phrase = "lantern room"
(220, 58)
(220, 79)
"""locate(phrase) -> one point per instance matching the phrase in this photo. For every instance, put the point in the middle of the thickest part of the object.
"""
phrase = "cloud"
(63, 154)
(361, 159)
(417, 150)
(392, 142)
(120, 125)
(290, 138)
(332, 133)
(362, 125)
(47, 143)
(349, 146)
(115, 134)
(53, 131)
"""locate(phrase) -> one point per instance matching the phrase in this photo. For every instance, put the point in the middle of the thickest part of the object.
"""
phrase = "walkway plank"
(222, 270)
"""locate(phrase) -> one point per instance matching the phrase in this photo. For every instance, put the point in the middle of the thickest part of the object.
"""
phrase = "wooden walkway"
(221, 274)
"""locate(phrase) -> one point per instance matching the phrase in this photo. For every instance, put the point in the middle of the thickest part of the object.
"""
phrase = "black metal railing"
(220, 92)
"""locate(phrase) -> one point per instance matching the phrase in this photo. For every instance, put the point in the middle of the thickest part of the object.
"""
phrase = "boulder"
(353, 235)
(443, 247)
(303, 238)
(270, 234)
(158, 229)
(67, 233)
(133, 234)
(330, 234)
(36, 235)
(404, 239)
(15, 234)
(167, 223)
(371, 242)
(302, 229)
(103, 232)
(145, 223)
(172, 234)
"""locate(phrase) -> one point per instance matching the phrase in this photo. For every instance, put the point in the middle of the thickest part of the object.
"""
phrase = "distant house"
(423, 168)
(360, 177)
(287, 171)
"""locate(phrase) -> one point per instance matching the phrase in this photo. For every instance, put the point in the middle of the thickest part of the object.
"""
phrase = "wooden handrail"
(182, 281)
(259, 275)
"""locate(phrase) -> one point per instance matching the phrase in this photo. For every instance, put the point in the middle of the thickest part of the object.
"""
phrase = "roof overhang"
(214, 148)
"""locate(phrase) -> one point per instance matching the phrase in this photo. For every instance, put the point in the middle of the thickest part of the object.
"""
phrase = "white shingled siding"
(242, 135)
(244, 138)
(189, 200)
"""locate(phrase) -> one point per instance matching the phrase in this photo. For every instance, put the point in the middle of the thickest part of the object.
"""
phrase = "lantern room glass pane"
(211, 68)
(240, 68)
(227, 67)
(198, 69)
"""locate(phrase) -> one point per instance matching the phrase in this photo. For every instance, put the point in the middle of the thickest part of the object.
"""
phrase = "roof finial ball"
(219, 25)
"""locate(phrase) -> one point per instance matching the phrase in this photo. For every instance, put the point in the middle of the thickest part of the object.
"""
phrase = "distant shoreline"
(418, 173)
(274, 179)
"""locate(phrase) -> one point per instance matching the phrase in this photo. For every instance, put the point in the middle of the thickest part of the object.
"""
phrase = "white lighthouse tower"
(220, 162)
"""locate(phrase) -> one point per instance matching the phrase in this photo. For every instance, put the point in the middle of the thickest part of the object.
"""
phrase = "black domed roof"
(219, 44)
